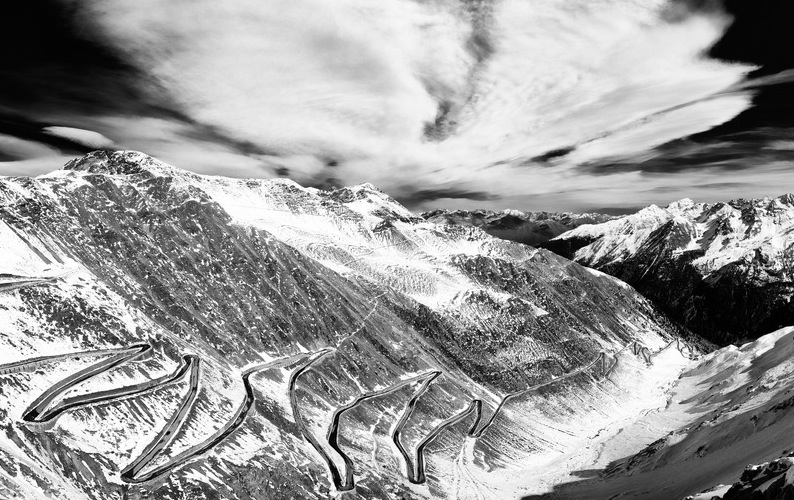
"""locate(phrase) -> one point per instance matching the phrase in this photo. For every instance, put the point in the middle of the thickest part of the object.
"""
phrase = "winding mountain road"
(32, 364)
(479, 432)
(36, 411)
(234, 423)
(418, 477)
(348, 482)
(641, 350)
(10, 282)
(42, 409)
(121, 392)
(296, 415)
(406, 415)
(131, 473)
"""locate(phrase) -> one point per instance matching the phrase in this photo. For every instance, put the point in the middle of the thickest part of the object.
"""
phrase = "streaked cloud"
(564, 102)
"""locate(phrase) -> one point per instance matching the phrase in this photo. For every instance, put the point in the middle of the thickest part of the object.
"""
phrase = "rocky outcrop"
(769, 481)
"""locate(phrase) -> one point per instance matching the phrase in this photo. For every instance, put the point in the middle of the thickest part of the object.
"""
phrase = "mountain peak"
(121, 163)
(787, 198)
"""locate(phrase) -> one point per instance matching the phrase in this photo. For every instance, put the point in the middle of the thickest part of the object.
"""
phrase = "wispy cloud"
(348, 91)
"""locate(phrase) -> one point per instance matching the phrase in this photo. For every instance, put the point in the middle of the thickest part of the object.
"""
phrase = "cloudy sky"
(530, 104)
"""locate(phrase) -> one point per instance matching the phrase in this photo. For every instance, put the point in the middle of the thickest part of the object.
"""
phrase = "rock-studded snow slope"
(724, 270)
(732, 408)
(262, 310)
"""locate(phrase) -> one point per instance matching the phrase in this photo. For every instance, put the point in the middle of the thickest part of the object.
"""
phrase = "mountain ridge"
(241, 273)
(693, 259)
(531, 228)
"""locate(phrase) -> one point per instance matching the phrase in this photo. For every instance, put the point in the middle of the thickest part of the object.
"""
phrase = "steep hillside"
(733, 408)
(724, 270)
(169, 335)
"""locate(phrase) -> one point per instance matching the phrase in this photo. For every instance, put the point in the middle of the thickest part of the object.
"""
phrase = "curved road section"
(419, 476)
(398, 428)
(479, 432)
(348, 483)
(111, 394)
(131, 473)
(296, 415)
(234, 423)
(32, 364)
(36, 412)
(41, 411)
(641, 350)
(11, 282)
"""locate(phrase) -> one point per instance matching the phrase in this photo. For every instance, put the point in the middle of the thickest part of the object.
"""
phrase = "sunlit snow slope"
(733, 408)
(165, 334)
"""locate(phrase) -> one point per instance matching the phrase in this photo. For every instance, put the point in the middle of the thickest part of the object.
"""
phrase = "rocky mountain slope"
(773, 479)
(530, 228)
(724, 270)
(169, 335)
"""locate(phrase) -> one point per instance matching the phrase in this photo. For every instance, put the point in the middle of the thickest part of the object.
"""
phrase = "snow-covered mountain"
(170, 335)
(531, 228)
(724, 270)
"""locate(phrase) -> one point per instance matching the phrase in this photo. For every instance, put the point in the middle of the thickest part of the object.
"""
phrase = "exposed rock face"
(724, 270)
(170, 335)
(530, 228)
(769, 481)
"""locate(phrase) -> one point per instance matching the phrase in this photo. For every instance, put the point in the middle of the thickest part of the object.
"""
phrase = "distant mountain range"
(531, 228)
(724, 270)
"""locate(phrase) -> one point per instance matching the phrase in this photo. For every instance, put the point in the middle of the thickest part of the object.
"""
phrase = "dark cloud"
(760, 34)
(552, 154)
(616, 210)
(707, 185)
(23, 128)
(424, 195)
(48, 62)
(678, 157)
(54, 71)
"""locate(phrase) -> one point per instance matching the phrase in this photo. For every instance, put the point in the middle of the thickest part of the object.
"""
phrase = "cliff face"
(724, 270)
(168, 334)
